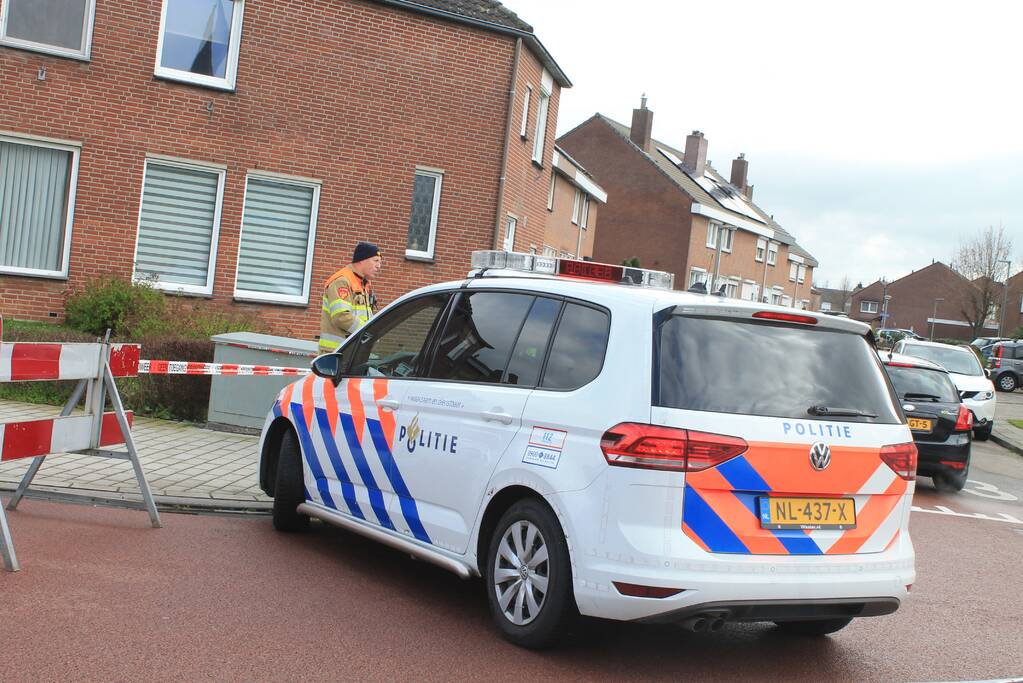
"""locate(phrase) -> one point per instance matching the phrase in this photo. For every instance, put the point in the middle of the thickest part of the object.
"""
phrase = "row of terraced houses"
(234, 151)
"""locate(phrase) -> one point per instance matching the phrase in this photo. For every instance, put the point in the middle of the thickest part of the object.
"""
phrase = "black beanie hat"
(365, 250)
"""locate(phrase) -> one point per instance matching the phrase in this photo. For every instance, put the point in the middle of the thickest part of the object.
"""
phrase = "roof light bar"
(573, 268)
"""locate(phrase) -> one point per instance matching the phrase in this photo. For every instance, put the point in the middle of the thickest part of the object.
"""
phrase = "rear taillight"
(964, 420)
(997, 358)
(665, 448)
(786, 317)
(902, 459)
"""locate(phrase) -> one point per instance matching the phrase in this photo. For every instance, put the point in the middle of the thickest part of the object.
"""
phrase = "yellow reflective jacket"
(346, 308)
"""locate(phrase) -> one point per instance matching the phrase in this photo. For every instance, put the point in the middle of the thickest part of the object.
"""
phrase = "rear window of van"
(774, 370)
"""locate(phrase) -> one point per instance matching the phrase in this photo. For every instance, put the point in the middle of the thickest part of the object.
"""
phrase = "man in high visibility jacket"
(348, 298)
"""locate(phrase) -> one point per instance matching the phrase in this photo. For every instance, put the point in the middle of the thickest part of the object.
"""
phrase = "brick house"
(675, 212)
(935, 294)
(228, 154)
(839, 300)
(573, 202)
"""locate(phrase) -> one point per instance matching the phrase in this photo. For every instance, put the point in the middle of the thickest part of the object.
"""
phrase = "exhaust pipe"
(697, 624)
(716, 624)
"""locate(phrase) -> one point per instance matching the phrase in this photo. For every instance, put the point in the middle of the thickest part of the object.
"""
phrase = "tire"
(946, 482)
(541, 618)
(289, 490)
(816, 627)
(983, 433)
(1006, 382)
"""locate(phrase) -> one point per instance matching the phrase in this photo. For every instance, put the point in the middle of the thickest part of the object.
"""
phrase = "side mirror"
(327, 366)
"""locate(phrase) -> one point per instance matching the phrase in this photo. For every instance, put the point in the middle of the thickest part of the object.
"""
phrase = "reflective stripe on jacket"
(345, 308)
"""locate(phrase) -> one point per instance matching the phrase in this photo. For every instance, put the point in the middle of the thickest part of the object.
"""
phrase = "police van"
(590, 441)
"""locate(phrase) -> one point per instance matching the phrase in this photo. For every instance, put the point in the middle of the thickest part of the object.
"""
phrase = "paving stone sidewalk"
(185, 465)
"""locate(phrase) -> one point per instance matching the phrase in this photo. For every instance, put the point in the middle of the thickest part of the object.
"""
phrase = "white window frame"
(434, 216)
(869, 306)
(549, 251)
(1021, 304)
(83, 55)
(694, 272)
(761, 249)
(793, 269)
(712, 235)
(550, 192)
(727, 238)
(825, 305)
(584, 219)
(511, 224)
(575, 206)
(525, 111)
(801, 274)
(75, 149)
(542, 114)
(221, 171)
(772, 254)
(230, 77)
(786, 300)
(732, 286)
(252, 295)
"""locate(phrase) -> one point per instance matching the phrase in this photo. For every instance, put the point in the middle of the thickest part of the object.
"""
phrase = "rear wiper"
(828, 411)
(920, 397)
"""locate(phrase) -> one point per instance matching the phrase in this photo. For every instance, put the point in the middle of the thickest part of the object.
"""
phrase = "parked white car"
(975, 388)
(622, 451)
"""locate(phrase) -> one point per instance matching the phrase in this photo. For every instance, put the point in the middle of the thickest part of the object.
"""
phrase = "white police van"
(622, 451)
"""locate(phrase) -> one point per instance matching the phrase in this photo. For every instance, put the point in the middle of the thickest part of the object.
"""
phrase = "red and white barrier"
(95, 366)
(181, 367)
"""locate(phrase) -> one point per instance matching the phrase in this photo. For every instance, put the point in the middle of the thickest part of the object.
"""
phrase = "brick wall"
(646, 215)
(562, 233)
(353, 93)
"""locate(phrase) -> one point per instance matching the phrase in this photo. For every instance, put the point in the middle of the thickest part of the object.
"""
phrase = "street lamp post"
(1005, 297)
(934, 314)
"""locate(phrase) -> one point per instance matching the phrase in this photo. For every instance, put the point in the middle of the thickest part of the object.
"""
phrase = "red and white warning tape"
(180, 367)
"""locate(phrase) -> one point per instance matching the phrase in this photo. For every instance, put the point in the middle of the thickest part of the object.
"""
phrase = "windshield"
(754, 368)
(961, 361)
(922, 384)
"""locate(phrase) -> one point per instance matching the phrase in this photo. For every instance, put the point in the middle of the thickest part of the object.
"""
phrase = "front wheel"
(289, 489)
(816, 627)
(529, 576)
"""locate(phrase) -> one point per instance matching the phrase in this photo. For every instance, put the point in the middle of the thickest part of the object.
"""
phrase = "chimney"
(642, 125)
(696, 153)
(740, 169)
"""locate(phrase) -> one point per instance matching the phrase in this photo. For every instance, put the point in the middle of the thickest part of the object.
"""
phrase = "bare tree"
(981, 258)
(845, 286)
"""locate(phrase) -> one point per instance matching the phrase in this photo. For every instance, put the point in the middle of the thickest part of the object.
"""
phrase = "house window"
(546, 88)
(1021, 305)
(576, 205)
(750, 291)
(712, 235)
(868, 307)
(550, 192)
(275, 249)
(179, 221)
(776, 296)
(761, 249)
(825, 305)
(697, 275)
(772, 254)
(549, 251)
(727, 236)
(37, 200)
(199, 41)
(584, 219)
(525, 111)
(58, 27)
(786, 300)
(509, 233)
(801, 274)
(422, 224)
(731, 288)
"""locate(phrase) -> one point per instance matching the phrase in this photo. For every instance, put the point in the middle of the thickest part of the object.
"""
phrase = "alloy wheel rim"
(521, 576)
(1006, 382)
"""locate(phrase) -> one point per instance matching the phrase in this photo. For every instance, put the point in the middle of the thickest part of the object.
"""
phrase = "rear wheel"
(947, 482)
(1007, 382)
(529, 576)
(289, 490)
(816, 627)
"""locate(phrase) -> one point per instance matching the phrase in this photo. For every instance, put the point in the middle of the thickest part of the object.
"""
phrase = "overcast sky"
(878, 133)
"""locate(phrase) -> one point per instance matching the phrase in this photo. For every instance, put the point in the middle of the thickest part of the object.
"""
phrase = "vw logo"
(820, 455)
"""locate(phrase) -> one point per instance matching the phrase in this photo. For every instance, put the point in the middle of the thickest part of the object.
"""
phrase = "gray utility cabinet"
(240, 401)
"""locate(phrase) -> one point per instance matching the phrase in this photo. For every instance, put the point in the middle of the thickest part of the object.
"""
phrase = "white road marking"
(988, 491)
(942, 510)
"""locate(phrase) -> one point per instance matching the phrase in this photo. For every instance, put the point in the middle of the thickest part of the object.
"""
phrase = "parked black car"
(942, 426)
(1005, 365)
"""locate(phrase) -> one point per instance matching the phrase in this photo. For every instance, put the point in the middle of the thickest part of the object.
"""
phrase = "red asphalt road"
(102, 596)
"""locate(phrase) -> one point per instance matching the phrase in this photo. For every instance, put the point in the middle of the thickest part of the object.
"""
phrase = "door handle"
(497, 416)
(388, 404)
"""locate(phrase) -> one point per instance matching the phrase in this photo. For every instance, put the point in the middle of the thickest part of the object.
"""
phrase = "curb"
(134, 501)
(1013, 446)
